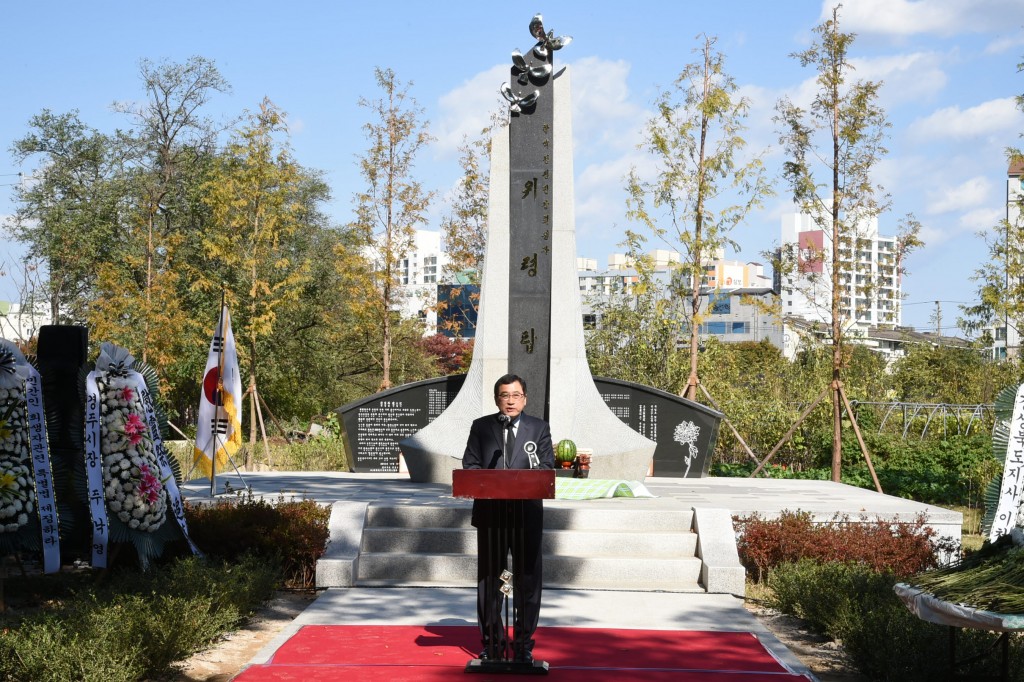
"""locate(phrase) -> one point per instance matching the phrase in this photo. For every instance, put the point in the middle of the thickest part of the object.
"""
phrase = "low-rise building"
(891, 343)
(743, 314)
(20, 323)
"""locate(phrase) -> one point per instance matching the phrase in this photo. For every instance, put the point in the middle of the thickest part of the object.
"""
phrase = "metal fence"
(918, 418)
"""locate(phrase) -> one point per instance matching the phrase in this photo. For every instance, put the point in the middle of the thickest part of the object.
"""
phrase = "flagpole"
(219, 398)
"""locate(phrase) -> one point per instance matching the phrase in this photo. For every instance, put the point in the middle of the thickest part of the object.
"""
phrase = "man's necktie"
(510, 439)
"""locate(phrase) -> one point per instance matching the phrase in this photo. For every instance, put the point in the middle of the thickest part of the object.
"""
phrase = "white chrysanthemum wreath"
(17, 492)
(131, 473)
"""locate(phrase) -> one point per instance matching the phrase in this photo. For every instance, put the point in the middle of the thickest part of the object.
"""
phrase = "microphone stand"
(505, 426)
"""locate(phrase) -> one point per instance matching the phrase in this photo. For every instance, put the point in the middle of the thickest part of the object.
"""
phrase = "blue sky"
(949, 69)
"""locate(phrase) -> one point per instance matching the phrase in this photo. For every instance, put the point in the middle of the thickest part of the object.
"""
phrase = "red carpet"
(318, 653)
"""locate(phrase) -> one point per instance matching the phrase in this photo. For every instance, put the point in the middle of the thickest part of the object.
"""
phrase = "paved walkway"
(572, 608)
(741, 496)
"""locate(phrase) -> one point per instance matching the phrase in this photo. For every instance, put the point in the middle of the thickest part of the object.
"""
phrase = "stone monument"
(530, 314)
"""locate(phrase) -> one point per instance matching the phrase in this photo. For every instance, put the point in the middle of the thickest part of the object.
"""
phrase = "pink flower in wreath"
(149, 485)
(127, 393)
(134, 428)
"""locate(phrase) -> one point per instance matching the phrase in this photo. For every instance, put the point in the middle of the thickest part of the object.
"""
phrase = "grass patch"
(971, 538)
(316, 454)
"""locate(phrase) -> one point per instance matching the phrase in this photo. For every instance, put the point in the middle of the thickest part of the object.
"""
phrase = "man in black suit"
(509, 439)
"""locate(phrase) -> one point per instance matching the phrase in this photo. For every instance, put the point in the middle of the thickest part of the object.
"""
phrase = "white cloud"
(935, 232)
(601, 203)
(900, 175)
(296, 125)
(981, 219)
(969, 194)
(908, 77)
(939, 17)
(1005, 44)
(996, 117)
(803, 94)
(761, 133)
(465, 111)
(934, 235)
(905, 77)
(604, 117)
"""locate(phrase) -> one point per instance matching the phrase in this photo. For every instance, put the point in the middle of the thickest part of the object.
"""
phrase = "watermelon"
(565, 451)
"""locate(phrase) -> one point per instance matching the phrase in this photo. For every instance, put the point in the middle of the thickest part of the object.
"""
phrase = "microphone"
(505, 422)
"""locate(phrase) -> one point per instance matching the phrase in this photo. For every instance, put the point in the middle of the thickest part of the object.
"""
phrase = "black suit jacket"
(484, 451)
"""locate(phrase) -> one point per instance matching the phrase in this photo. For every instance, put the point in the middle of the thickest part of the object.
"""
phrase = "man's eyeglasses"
(510, 396)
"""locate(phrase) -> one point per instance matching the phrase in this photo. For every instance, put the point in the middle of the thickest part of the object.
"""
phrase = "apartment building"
(869, 278)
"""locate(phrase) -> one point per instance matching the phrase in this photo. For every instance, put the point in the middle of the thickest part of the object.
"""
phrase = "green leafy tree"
(1000, 283)
(143, 299)
(1015, 154)
(70, 210)
(258, 196)
(393, 202)
(168, 140)
(832, 148)
(703, 187)
(758, 388)
(947, 374)
(464, 229)
(636, 333)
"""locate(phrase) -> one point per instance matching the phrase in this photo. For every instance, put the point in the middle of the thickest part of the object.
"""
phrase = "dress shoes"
(486, 654)
(524, 657)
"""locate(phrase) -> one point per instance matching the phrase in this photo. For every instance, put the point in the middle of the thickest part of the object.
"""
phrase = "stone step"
(619, 573)
(600, 546)
(598, 516)
(604, 545)
(556, 542)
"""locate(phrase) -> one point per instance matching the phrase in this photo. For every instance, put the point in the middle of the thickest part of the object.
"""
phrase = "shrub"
(291, 533)
(950, 471)
(323, 453)
(136, 625)
(855, 604)
(902, 548)
(881, 637)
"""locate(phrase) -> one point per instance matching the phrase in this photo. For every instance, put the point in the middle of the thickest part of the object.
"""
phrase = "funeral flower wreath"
(17, 489)
(131, 483)
(129, 480)
(17, 494)
(28, 513)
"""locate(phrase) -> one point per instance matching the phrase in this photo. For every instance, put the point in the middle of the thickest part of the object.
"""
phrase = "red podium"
(515, 486)
(504, 484)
